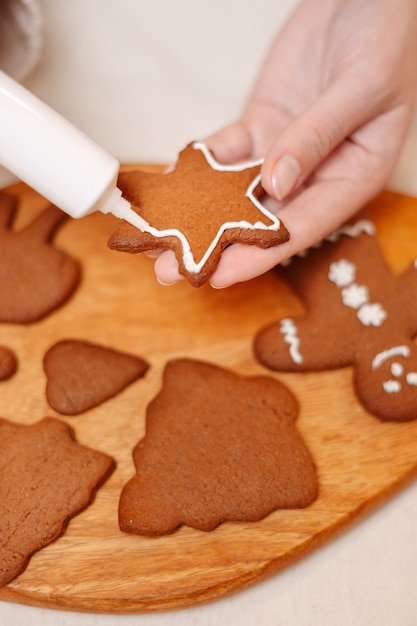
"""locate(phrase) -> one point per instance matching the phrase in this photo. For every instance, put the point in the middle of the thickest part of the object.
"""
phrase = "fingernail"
(152, 254)
(218, 287)
(285, 176)
(163, 283)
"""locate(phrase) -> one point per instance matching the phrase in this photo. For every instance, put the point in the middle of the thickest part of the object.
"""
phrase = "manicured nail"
(152, 254)
(285, 176)
(163, 283)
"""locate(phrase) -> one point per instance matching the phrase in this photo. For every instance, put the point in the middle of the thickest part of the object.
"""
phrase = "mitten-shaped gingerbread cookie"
(35, 276)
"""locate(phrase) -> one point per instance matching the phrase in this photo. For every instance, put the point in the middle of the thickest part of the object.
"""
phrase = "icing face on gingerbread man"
(357, 313)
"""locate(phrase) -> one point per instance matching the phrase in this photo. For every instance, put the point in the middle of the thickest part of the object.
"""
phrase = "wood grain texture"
(361, 461)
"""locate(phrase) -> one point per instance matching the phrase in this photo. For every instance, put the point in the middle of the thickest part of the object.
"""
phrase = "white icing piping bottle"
(56, 159)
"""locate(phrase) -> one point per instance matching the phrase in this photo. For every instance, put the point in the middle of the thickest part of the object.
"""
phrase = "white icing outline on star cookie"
(188, 259)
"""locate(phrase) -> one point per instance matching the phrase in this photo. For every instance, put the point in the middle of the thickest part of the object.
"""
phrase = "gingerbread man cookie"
(358, 313)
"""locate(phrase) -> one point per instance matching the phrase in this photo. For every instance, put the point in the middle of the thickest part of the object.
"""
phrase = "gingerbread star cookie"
(217, 447)
(359, 314)
(197, 210)
(46, 478)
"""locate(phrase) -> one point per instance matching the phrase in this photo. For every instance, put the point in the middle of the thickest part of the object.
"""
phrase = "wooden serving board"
(361, 461)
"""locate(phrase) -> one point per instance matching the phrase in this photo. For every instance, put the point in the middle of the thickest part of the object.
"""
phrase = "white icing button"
(354, 296)
(411, 378)
(342, 272)
(392, 386)
(372, 314)
(397, 369)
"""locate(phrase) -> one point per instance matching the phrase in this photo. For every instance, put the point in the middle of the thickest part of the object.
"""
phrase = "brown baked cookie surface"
(8, 363)
(357, 313)
(217, 447)
(81, 375)
(35, 276)
(46, 478)
(197, 210)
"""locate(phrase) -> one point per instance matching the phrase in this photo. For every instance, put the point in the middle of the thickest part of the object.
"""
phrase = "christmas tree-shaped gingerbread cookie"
(217, 447)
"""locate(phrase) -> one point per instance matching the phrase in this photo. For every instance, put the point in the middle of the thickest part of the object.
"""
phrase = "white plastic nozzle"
(116, 205)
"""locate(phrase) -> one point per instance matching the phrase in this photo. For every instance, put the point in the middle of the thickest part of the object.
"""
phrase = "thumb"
(231, 144)
(307, 140)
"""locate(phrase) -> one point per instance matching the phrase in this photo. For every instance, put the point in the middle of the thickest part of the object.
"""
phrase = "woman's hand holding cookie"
(329, 112)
